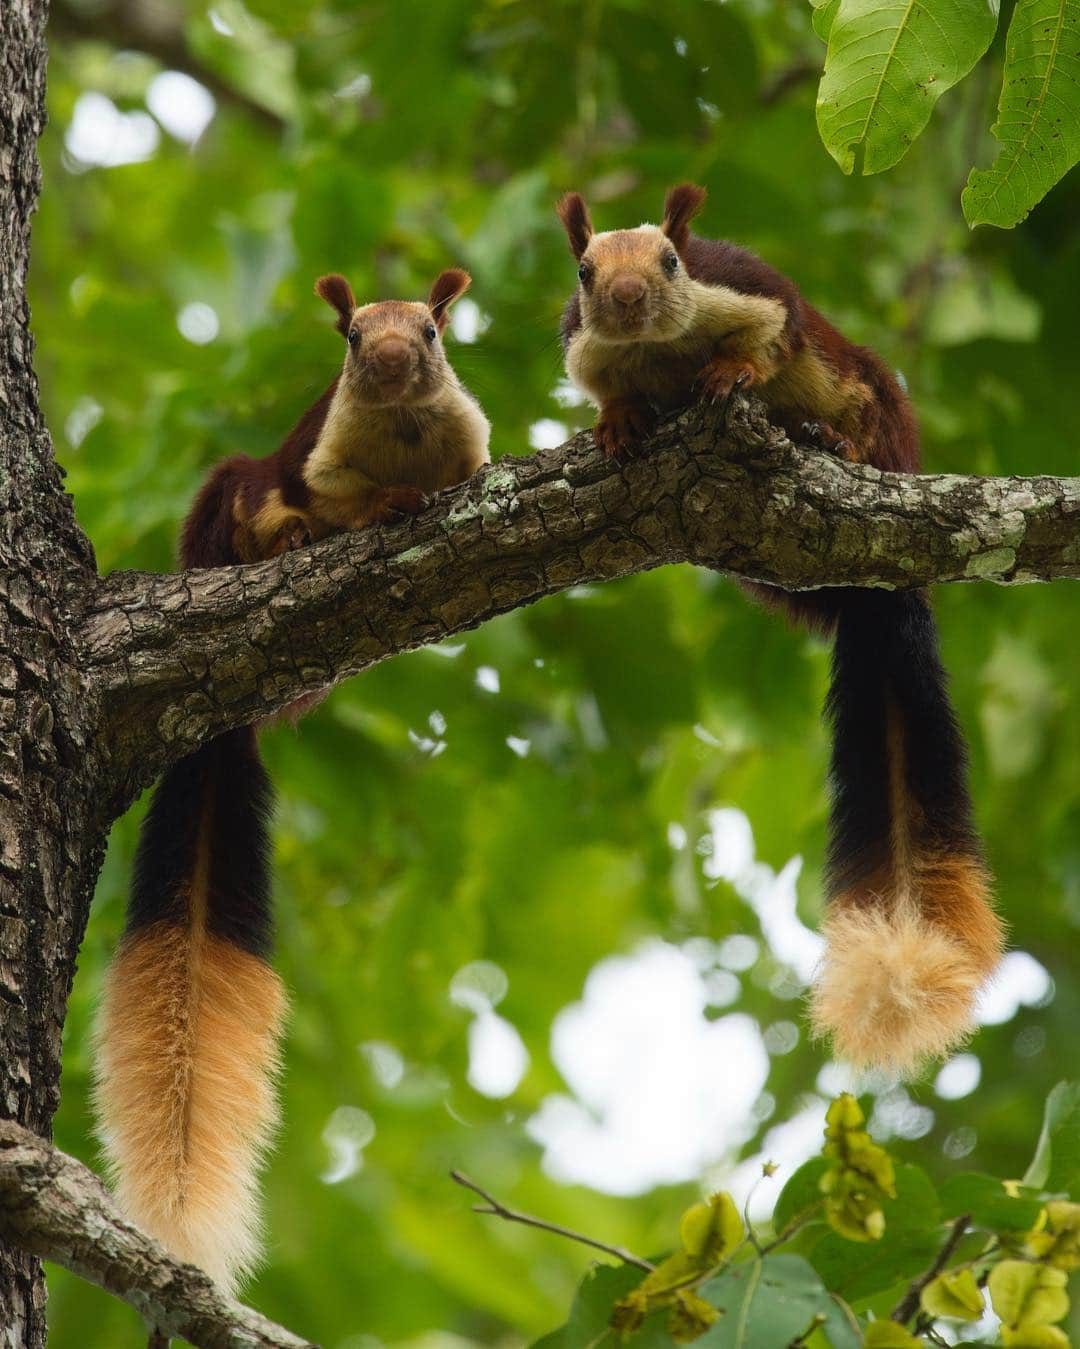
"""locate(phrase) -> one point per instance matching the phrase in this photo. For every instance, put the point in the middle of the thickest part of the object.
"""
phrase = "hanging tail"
(910, 931)
(188, 1032)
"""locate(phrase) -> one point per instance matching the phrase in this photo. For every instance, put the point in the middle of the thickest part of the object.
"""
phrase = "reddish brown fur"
(574, 215)
(680, 207)
(338, 294)
(448, 286)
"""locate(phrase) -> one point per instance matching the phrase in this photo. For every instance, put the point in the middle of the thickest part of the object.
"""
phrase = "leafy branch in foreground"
(861, 1250)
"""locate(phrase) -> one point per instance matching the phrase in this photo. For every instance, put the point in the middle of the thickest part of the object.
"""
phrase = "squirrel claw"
(621, 428)
(722, 377)
(826, 438)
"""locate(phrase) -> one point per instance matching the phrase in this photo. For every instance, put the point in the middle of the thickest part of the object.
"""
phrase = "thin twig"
(909, 1303)
(499, 1210)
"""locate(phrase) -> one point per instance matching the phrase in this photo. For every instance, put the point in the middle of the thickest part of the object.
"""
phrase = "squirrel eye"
(430, 332)
(354, 337)
(584, 272)
(671, 263)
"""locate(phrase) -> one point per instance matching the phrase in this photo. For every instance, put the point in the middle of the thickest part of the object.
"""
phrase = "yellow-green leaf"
(1026, 1295)
(691, 1316)
(953, 1294)
(889, 1335)
(1035, 1337)
(711, 1231)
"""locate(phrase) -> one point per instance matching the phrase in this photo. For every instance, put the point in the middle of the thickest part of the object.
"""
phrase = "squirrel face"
(633, 286)
(395, 355)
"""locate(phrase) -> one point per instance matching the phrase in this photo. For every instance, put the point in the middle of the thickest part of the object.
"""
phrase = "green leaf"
(989, 1203)
(953, 1294)
(801, 1192)
(1056, 1164)
(825, 11)
(886, 67)
(597, 1293)
(771, 1302)
(1038, 121)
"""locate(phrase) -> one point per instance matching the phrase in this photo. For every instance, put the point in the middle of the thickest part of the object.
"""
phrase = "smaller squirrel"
(661, 316)
(191, 1017)
(395, 425)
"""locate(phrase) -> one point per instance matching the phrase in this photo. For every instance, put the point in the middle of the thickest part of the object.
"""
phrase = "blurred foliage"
(426, 820)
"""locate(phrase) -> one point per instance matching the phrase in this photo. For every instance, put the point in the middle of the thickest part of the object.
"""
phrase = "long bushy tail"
(910, 930)
(188, 1032)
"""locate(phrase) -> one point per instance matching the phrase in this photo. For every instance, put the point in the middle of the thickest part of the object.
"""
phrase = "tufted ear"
(682, 204)
(337, 293)
(574, 215)
(447, 287)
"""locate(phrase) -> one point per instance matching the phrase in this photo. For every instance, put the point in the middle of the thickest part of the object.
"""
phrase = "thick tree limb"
(178, 658)
(52, 1206)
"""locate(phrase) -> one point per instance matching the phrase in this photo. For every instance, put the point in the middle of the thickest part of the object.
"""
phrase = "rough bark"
(57, 1208)
(48, 854)
(179, 658)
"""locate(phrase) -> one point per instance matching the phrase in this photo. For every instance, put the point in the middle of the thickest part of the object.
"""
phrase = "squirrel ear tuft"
(337, 293)
(445, 290)
(682, 204)
(574, 215)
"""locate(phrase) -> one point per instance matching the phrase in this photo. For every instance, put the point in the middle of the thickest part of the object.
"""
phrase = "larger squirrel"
(189, 1029)
(661, 316)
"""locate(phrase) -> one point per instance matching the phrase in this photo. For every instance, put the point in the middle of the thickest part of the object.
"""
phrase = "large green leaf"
(1038, 123)
(988, 1203)
(1056, 1164)
(600, 1289)
(886, 67)
(766, 1304)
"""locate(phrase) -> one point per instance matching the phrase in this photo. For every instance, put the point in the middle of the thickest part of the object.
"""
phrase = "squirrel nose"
(628, 288)
(391, 355)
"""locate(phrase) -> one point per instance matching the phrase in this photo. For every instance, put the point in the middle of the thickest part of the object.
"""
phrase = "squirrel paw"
(826, 437)
(722, 377)
(394, 503)
(293, 534)
(622, 426)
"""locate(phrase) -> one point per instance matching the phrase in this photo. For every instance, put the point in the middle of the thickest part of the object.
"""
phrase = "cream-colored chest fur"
(430, 446)
(725, 323)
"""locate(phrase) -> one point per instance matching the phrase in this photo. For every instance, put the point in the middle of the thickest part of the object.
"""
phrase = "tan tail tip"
(893, 990)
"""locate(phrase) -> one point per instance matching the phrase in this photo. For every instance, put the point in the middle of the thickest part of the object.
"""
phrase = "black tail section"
(218, 799)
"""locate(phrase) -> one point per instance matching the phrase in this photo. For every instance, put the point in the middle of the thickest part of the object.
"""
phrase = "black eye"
(670, 263)
(430, 332)
(354, 337)
(584, 273)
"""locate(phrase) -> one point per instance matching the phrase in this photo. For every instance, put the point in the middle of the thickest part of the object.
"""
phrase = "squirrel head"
(395, 354)
(633, 286)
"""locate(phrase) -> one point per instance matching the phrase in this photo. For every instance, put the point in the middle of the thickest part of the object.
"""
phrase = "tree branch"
(54, 1207)
(497, 1209)
(908, 1305)
(175, 659)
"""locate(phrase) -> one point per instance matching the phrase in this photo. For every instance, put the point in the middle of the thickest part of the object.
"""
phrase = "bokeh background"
(546, 894)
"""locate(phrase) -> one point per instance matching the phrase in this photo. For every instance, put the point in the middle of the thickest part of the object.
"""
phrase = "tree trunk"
(50, 847)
